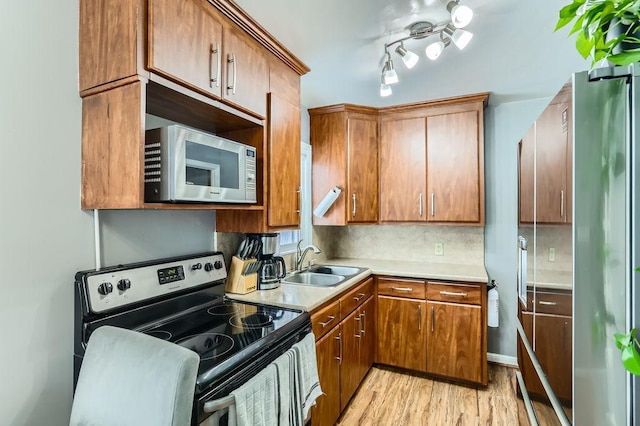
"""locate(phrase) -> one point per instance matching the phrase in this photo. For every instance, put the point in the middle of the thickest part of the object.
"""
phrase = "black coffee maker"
(272, 268)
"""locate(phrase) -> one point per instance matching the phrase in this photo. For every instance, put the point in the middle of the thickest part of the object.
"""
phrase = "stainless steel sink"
(314, 279)
(347, 271)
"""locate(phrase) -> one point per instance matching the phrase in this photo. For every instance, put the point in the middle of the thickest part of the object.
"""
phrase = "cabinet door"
(362, 170)
(247, 73)
(551, 164)
(454, 341)
(368, 336)
(402, 170)
(349, 369)
(327, 408)
(401, 332)
(284, 162)
(453, 167)
(185, 44)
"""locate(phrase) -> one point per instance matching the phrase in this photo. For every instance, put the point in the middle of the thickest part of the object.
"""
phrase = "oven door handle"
(219, 404)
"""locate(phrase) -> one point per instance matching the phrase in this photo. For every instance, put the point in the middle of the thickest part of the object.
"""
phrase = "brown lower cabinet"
(433, 327)
(395, 328)
(345, 352)
(402, 336)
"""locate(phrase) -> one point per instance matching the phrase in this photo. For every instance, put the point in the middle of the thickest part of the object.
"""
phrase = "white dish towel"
(307, 373)
(256, 401)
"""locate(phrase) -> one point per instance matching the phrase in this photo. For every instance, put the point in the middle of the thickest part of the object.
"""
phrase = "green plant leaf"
(568, 13)
(583, 44)
(625, 58)
(622, 340)
(631, 360)
(577, 26)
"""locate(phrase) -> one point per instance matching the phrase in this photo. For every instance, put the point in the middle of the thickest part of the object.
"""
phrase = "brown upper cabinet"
(345, 154)
(428, 159)
(432, 162)
(202, 63)
(546, 165)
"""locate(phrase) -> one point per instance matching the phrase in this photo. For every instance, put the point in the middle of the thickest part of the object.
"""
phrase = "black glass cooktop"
(228, 333)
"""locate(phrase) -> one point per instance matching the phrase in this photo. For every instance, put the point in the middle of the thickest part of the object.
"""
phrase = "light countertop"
(310, 297)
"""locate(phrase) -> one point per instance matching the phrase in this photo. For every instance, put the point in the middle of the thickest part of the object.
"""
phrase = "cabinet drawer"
(355, 297)
(456, 293)
(550, 302)
(325, 319)
(411, 289)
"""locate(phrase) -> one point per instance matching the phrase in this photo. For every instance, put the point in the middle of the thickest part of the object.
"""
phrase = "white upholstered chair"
(129, 378)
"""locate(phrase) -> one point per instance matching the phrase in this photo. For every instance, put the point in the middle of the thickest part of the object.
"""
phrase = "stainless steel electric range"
(182, 300)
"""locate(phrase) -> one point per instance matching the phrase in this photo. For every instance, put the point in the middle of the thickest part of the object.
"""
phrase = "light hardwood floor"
(395, 397)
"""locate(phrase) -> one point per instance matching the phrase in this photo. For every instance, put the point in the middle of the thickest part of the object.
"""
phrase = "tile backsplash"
(460, 244)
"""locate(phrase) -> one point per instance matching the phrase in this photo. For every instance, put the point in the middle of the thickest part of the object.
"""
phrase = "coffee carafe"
(272, 268)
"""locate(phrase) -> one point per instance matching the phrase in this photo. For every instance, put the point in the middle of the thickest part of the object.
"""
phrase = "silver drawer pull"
(331, 318)
(542, 302)
(407, 289)
(453, 293)
(359, 297)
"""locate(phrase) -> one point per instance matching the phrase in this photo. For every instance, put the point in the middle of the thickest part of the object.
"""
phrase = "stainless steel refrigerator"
(603, 224)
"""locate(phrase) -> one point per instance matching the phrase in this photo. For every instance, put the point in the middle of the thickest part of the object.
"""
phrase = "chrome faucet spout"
(300, 254)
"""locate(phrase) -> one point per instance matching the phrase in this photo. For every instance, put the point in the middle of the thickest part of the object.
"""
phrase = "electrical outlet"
(552, 254)
(439, 249)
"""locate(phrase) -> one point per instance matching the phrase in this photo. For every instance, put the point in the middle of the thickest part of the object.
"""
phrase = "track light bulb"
(434, 50)
(389, 74)
(461, 15)
(409, 58)
(385, 90)
(459, 36)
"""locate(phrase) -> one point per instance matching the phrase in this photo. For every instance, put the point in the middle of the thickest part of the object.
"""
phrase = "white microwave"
(182, 164)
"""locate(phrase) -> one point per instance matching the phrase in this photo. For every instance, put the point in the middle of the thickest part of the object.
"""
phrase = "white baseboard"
(511, 361)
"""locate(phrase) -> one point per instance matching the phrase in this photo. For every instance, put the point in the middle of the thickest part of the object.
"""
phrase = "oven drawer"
(325, 319)
(456, 293)
(356, 297)
(401, 287)
(550, 302)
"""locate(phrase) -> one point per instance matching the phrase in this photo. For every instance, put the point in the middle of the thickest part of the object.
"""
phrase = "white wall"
(44, 235)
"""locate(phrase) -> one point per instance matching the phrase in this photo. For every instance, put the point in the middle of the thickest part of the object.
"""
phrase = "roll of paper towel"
(327, 202)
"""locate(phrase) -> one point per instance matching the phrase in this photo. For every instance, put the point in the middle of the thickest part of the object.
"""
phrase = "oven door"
(208, 169)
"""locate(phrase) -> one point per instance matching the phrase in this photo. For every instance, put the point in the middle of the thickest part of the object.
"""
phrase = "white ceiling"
(514, 54)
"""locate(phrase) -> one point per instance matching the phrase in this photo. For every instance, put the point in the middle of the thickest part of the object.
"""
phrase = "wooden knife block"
(238, 283)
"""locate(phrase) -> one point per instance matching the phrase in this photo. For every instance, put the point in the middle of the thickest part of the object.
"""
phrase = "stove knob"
(196, 266)
(105, 288)
(124, 284)
(217, 264)
(208, 266)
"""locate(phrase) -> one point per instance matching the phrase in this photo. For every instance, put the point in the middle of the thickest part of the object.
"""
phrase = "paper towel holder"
(327, 201)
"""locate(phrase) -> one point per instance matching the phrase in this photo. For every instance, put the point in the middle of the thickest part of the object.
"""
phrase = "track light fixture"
(448, 32)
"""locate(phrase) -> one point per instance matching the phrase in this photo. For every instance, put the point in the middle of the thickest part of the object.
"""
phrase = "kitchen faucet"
(301, 253)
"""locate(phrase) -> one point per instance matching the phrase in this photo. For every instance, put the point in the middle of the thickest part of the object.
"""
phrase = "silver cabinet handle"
(339, 357)
(420, 317)
(433, 318)
(433, 204)
(543, 302)
(453, 293)
(364, 322)
(561, 203)
(404, 289)
(331, 318)
(359, 297)
(420, 204)
(353, 212)
(231, 59)
(359, 319)
(299, 193)
(216, 79)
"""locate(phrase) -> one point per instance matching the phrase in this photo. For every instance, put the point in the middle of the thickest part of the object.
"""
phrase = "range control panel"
(114, 289)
